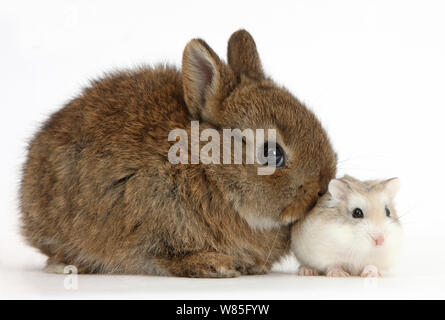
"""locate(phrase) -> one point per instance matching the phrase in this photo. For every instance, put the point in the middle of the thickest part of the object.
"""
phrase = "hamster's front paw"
(338, 272)
(307, 271)
(370, 271)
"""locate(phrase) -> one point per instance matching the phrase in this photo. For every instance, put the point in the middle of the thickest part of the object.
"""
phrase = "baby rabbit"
(353, 230)
(99, 192)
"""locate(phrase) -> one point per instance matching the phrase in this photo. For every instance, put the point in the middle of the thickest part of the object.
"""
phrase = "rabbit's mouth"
(300, 207)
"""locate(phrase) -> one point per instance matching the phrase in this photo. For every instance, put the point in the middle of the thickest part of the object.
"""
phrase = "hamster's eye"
(388, 212)
(357, 213)
(274, 154)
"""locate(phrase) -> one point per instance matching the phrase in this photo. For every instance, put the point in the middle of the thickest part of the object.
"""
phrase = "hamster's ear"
(243, 57)
(205, 77)
(391, 187)
(339, 189)
(349, 178)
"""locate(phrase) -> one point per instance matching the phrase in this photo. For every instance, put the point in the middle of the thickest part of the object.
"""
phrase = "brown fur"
(98, 190)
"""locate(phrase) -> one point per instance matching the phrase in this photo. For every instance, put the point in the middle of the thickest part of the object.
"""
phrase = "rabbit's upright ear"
(206, 79)
(243, 57)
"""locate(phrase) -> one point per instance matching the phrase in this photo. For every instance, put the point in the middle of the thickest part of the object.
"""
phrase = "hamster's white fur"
(330, 241)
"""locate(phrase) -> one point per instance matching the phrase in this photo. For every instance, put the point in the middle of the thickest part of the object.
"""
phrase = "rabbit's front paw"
(255, 270)
(222, 272)
(201, 265)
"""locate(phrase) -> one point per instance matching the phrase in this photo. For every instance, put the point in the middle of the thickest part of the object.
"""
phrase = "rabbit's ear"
(204, 76)
(243, 57)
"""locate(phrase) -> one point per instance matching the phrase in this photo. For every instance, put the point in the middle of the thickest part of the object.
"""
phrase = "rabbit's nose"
(378, 238)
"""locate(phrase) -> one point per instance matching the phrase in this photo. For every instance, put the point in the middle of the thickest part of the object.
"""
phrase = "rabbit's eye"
(388, 212)
(273, 155)
(357, 213)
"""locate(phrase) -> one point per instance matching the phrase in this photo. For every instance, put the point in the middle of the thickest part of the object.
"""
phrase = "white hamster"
(353, 230)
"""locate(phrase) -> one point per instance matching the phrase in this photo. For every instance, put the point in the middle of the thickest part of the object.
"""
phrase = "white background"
(373, 71)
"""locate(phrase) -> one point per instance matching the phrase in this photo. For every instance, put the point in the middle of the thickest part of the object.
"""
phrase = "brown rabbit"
(99, 192)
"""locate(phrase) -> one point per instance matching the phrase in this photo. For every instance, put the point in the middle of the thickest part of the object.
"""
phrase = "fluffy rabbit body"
(98, 191)
(353, 230)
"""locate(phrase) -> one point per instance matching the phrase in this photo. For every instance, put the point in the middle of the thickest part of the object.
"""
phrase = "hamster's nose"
(378, 239)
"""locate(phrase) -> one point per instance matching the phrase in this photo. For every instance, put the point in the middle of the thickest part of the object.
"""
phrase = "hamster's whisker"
(356, 157)
(273, 245)
(356, 168)
(399, 218)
